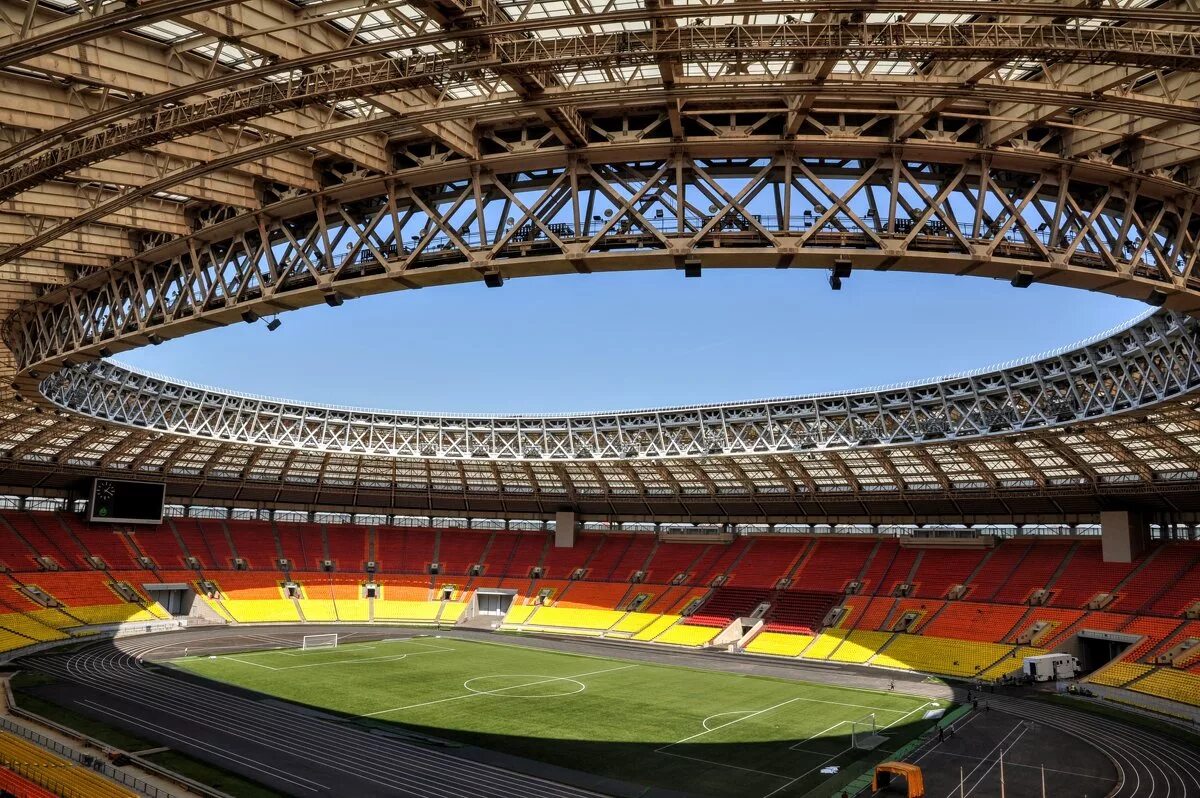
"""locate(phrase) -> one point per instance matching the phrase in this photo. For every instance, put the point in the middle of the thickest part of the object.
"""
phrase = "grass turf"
(703, 732)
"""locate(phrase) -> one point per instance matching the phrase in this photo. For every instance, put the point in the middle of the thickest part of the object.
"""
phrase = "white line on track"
(224, 753)
(498, 690)
(999, 750)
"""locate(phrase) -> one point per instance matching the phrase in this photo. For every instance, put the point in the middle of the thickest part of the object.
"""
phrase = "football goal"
(864, 735)
(319, 641)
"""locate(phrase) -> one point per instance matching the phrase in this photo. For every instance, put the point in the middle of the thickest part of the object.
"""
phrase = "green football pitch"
(698, 731)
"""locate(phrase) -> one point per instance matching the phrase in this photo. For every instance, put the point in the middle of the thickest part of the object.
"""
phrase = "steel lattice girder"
(975, 216)
(33, 161)
(1154, 360)
(1121, 457)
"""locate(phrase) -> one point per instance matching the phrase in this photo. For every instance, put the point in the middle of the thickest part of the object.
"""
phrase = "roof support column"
(1125, 534)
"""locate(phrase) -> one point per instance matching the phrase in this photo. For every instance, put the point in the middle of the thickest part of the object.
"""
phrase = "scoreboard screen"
(120, 501)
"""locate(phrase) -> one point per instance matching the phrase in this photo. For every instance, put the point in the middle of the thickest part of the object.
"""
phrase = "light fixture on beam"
(155, 339)
(249, 316)
(493, 279)
(333, 299)
(691, 266)
(1022, 279)
(274, 324)
(105, 352)
(1157, 298)
(842, 267)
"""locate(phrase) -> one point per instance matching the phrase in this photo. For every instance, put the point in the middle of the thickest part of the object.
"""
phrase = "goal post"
(319, 641)
(864, 735)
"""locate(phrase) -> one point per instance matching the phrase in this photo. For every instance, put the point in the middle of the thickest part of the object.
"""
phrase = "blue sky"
(612, 341)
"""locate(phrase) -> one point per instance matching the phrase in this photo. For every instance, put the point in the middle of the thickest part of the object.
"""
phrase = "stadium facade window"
(199, 511)
(45, 503)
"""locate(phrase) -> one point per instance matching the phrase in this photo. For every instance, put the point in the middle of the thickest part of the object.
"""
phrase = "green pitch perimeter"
(697, 731)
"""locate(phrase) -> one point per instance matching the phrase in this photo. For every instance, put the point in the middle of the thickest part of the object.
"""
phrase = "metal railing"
(99, 765)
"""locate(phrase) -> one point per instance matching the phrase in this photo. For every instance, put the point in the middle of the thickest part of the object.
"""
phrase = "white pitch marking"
(812, 737)
(513, 687)
(752, 714)
(498, 690)
(704, 722)
(248, 662)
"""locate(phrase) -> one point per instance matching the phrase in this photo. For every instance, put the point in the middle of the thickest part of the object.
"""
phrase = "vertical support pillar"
(565, 524)
(1124, 535)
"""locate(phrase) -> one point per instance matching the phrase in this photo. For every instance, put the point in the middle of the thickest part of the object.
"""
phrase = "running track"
(194, 715)
(275, 742)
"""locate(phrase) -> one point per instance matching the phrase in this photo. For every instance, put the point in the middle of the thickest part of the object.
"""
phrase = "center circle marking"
(524, 685)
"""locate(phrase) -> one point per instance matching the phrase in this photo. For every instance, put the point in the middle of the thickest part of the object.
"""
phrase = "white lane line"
(224, 753)
(498, 690)
(999, 748)
(1077, 774)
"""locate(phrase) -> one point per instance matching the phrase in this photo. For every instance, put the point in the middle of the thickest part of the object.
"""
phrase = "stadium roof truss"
(175, 165)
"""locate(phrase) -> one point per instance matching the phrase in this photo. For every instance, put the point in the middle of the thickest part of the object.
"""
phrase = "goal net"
(864, 735)
(319, 641)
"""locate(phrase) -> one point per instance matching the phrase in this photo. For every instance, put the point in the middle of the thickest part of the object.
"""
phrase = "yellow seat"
(825, 644)
(950, 657)
(452, 611)
(1171, 684)
(576, 618)
(859, 646)
(418, 611)
(1118, 673)
(112, 613)
(779, 644)
(262, 610)
(58, 775)
(318, 609)
(684, 635)
(519, 613)
(352, 609)
(656, 627)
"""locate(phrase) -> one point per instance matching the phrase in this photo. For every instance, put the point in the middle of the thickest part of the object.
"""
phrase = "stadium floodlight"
(1022, 279)
(493, 279)
(1157, 298)
(249, 316)
(842, 268)
(691, 266)
(274, 324)
(333, 299)
(155, 339)
(105, 352)
(835, 282)
(318, 641)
